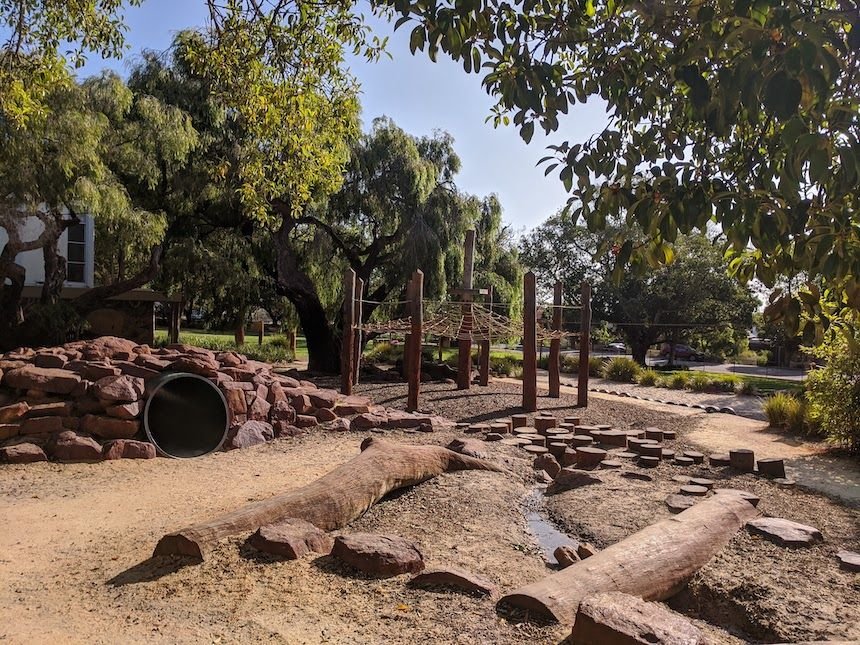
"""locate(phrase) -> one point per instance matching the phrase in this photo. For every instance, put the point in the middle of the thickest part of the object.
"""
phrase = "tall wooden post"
(529, 343)
(407, 338)
(555, 344)
(416, 310)
(584, 346)
(261, 333)
(347, 338)
(484, 367)
(359, 317)
(464, 343)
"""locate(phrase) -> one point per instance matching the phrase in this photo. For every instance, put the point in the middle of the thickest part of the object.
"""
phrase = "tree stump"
(520, 420)
(610, 464)
(581, 440)
(477, 428)
(742, 459)
(574, 420)
(771, 468)
(651, 450)
(569, 458)
(535, 450)
(501, 428)
(667, 453)
(718, 460)
(545, 423)
(614, 438)
(537, 440)
(669, 435)
(634, 444)
(625, 455)
(557, 448)
(647, 461)
(588, 457)
(524, 430)
(699, 481)
(696, 456)
(683, 461)
(654, 433)
(695, 491)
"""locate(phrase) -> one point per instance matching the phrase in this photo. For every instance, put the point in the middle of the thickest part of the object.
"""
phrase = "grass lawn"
(764, 384)
(272, 350)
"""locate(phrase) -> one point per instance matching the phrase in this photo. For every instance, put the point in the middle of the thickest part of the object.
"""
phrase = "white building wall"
(33, 261)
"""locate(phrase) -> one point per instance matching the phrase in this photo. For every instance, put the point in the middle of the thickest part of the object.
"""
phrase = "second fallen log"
(653, 564)
(334, 499)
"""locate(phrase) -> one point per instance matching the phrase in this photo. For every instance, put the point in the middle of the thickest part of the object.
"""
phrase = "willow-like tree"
(732, 112)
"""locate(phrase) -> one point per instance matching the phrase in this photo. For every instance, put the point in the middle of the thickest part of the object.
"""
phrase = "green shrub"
(781, 407)
(279, 341)
(384, 353)
(570, 363)
(727, 383)
(621, 369)
(268, 352)
(833, 393)
(700, 382)
(746, 387)
(506, 365)
(648, 377)
(677, 381)
(595, 366)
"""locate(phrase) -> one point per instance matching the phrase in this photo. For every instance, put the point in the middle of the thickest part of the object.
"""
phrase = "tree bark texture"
(334, 499)
(653, 564)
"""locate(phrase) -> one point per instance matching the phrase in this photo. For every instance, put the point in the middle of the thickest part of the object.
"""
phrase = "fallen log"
(334, 499)
(653, 564)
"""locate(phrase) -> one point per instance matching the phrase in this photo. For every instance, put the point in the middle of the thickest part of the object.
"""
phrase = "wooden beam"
(584, 346)
(484, 367)
(333, 500)
(555, 345)
(347, 337)
(464, 342)
(529, 343)
(416, 309)
(653, 564)
(359, 318)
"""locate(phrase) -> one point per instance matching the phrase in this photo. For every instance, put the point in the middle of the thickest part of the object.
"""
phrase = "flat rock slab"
(454, 578)
(471, 447)
(569, 479)
(22, 453)
(677, 503)
(128, 449)
(378, 555)
(849, 560)
(620, 618)
(695, 491)
(750, 497)
(785, 532)
(291, 538)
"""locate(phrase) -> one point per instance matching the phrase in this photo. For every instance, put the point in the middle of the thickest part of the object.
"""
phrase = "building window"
(76, 256)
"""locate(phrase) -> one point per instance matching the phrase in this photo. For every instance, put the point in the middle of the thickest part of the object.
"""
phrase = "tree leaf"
(782, 95)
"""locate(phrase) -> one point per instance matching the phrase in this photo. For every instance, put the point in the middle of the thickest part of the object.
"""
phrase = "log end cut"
(178, 544)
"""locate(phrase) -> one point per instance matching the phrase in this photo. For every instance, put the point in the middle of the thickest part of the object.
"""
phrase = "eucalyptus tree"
(732, 112)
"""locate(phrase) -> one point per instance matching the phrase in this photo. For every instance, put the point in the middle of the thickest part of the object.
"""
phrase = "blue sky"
(419, 96)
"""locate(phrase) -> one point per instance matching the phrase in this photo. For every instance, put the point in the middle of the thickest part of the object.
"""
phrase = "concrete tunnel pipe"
(185, 415)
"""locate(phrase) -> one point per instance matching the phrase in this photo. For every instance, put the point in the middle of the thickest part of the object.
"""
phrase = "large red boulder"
(13, 412)
(251, 433)
(121, 389)
(46, 379)
(109, 427)
(128, 449)
(70, 446)
(107, 347)
(22, 453)
(378, 555)
(292, 538)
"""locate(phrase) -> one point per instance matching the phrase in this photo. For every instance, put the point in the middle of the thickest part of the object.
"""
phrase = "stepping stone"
(619, 618)
(378, 555)
(710, 409)
(477, 429)
(647, 461)
(677, 503)
(523, 431)
(728, 410)
(610, 463)
(682, 479)
(642, 477)
(291, 538)
(696, 456)
(718, 460)
(750, 497)
(520, 420)
(849, 560)
(669, 435)
(500, 428)
(573, 420)
(782, 482)
(603, 426)
(570, 479)
(742, 459)
(514, 441)
(667, 453)
(545, 423)
(699, 481)
(654, 433)
(455, 578)
(538, 440)
(535, 450)
(580, 440)
(625, 455)
(614, 438)
(785, 532)
(683, 461)
(494, 436)
(557, 448)
(695, 491)
(771, 468)
(651, 450)
(587, 456)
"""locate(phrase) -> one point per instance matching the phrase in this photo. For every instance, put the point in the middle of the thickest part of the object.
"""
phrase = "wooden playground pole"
(529, 343)
(584, 346)
(464, 342)
(416, 310)
(347, 338)
(555, 345)
(407, 338)
(484, 366)
(359, 313)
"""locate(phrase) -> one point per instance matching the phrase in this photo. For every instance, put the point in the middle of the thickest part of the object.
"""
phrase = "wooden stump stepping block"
(692, 489)
(669, 435)
(782, 482)
(632, 474)
(634, 443)
(537, 440)
(647, 461)
(681, 460)
(477, 428)
(613, 438)
(554, 431)
(785, 532)
(573, 420)
(494, 436)
(610, 464)
(718, 460)
(581, 440)
(569, 458)
(771, 468)
(588, 457)
(651, 450)
(568, 427)
(603, 426)
(667, 453)
(700, 481)
(535, 450)
(696, 456)
(654, 433)
(520, 420)
(524, 430)
(557, 448)
(508, 422)
(849, 560)
(742, 459)
(545, 423)
(682, 479)
(562, 437)
(625, 455)
(750, 497)
(580, 429)
(501, 428)
(515, 441)
(677, 503)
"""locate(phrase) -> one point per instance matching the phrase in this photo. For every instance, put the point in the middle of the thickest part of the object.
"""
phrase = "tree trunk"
(55, 270)
(333, 500)
(653, 564)
(297, 287)
(239, 328)
(93, 298)
(639, 350)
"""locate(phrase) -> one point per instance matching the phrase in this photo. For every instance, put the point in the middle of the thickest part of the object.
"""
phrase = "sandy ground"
(75, 547)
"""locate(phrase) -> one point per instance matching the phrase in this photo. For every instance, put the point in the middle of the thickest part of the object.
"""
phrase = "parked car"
(617, 346)
(684, 352)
